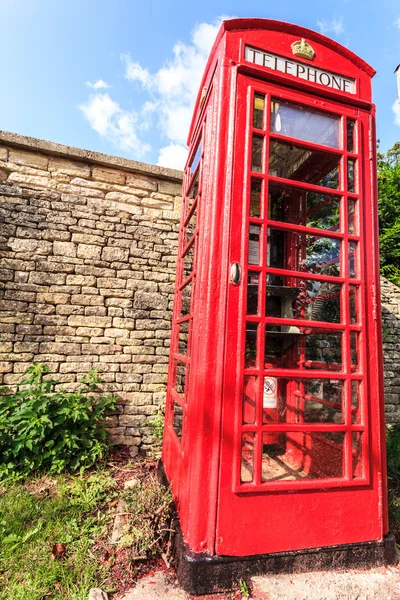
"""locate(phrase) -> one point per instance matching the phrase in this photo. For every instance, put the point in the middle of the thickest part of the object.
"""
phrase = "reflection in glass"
(250, 394)
(180, 377)
(254, 244)
(355, 402)
(196, 158)
(304, 299)
(303, 252)
(353, 259)
(350, 135)
(304, 123)
(183, 337)
(247, 461)
(177, 422)
(293, 205)
(188, 260)
(255, 197)
(302, 455)
(351, 174)
(192, 193)
(351, 207)
(258, 115)
(309, 166)
(293, 347)
(252, 292)
(256, 154)
(357, 452)
(354, 348)
(353, 289)
(251, 345)
(186, 295)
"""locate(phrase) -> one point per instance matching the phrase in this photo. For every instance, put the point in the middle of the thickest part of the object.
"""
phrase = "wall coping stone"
(71, 153)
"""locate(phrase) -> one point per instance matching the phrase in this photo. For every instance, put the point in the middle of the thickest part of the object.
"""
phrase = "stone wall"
(87, 268)
(390, 295)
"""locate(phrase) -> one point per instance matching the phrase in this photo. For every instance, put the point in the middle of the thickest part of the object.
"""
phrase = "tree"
(389, 212)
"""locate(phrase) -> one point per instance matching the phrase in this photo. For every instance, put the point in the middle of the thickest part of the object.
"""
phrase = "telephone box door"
(299, 468)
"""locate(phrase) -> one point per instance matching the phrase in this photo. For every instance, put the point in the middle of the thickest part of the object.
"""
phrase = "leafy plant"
(157, 425)
(41, 429)
(244, 590)
(389, 212)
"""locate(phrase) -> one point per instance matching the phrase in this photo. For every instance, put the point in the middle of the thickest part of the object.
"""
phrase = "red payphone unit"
(274, 441)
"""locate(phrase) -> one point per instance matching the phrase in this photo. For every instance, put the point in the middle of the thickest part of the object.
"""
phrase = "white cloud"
(112, 122)
(396, 110)
(173, 156)
(336, 26)
(397, 22)
(98, 85)
(172, 91)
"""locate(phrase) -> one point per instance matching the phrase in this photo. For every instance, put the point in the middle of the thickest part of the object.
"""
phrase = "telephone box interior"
(274, 429)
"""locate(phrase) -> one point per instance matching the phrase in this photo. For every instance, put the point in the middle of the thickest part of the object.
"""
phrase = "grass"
(70, 511)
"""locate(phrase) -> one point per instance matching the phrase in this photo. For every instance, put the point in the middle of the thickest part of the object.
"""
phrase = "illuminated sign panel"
(300, 70)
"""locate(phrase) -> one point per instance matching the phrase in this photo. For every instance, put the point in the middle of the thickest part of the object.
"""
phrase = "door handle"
(235, 273)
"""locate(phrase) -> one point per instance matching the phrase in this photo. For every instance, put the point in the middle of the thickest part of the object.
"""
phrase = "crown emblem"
(303, 49)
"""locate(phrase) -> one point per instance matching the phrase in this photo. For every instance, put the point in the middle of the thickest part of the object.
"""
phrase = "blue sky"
(120, 76)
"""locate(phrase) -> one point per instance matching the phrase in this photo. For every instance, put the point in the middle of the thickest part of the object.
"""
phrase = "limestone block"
(89, 331)
(117, 206)
(142, 183)
(86, 238)
(19, 295)
(64, 248)
(123, 323)
(87, 280)
(32, 180)
(47, 278)
(87, 300)
(111, 254)
(5, 347)
(67, 188)
(31, 159)
(123, 197)
(89, 321)
(108, 175)
(68, 309)
(146, 300)
(51, 298)
(76, 367)
(13, 305)
(56, 348)
(26, 347)
(89, 251)
(169, 187)
(118, 302)
(69, 167)
(114, 332)
(30, 246)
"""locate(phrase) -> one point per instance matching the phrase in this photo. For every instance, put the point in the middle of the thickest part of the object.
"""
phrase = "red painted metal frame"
(219, 513)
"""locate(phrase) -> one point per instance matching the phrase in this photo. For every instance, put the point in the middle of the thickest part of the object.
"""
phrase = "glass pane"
(353, 304)
(353, 259)
(351, 165)
(351, 215)
(246, 467)
(188, 260)
(254, 244)
(180, 377)
(292, 205)
(257, 159)
(354, 349)
(310, 166)
(303, 252)
(355, 402)
(304, 299)
(301, 455)
(251, 345)
(258, 116)
(357, 455)
(191, 226)
(192, 193)
(350, 135)
(183, 337)
(178, 420)
(303, 401)
(250, 394)
(186, 295)
(196, 159)
(307, 348)
(252, 292)
(255, 197)
(304, 123)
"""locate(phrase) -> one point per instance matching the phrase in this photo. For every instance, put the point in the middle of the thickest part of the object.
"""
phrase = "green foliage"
(389, 212)
(244, 590)
(40, 513)
(45, 430)
(393, 471)
(157, 425)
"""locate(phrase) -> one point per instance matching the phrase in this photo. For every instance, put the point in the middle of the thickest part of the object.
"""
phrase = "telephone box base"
(200, 573)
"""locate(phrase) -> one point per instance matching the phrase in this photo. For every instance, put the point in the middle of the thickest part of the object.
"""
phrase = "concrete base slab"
(382, 583)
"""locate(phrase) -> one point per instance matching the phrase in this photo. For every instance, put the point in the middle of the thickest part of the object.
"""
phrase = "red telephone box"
(274, 438)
